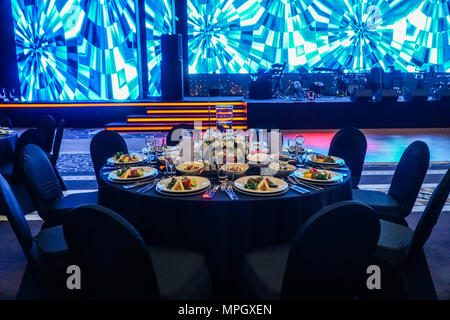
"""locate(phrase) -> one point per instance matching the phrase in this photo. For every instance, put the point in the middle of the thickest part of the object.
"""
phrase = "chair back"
(16, 218)
(40, 178)
(430, 215)
(174, 134)
(47, 125)
(103, 146)
(330, 253)
(114, 258)
(409, 175)
(58, 139)
(5, 122)
(29, 136)
(350, 144)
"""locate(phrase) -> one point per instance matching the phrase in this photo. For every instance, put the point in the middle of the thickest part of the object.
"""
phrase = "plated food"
(319, 176)
(325, 159)
(235, 169)
(281, 168)
(183, 185)
(132, 174)
(6, 131)
(121, 158)
(190, 168)
(261, 185)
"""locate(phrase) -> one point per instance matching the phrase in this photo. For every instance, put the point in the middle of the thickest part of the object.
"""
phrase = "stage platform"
(151, 115)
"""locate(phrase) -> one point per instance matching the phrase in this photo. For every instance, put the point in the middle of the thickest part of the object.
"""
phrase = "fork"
(231, 190)
(223, 187)
(297, 182)
(148, 187)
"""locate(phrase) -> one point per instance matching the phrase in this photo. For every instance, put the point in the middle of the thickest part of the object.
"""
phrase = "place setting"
(4, 131)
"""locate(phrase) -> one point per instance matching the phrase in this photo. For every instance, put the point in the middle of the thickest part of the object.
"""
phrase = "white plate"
(149, 173)
(261, 194)
(180, 194)
(241, 182)
(141, 157)
(276, 166)
(339, 161)
(6, 132)
(202, 184)
(182, 167)
(335, 177)
(244, 167)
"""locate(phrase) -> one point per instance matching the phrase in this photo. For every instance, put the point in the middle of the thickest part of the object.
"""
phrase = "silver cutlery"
(311, 186)
(231, 190)
(134, 185)
(211, 192)
(148, 187)
(224, 188)
(298, 189)
(295, 181)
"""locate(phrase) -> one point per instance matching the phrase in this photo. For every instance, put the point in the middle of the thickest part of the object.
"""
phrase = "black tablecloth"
(7, 146)
(222, 229)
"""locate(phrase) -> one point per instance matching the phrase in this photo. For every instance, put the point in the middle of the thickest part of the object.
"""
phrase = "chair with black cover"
(45, 189)
(48, 248)
(117, 264)
(46, 252)
(326, 260)
(47, 125)
(174, 134)
(409, 174)
(103, 146)
(350, 144)
(398, 244)
(5, 122)
(15, 174)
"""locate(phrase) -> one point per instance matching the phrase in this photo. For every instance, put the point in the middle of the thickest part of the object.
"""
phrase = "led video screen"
(237, 36)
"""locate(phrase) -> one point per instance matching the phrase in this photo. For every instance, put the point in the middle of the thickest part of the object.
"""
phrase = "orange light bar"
(170, 104)
(117, 104)
(138, 128)
(159, 128)
(179, 119)
(192, 111)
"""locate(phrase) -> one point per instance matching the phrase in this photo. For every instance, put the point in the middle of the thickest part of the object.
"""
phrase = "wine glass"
(150, 143)
(170, 165)
(291, 148)
(300, 150)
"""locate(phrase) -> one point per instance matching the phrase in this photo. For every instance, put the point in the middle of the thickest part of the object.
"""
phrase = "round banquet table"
(7, 146)
(222, 229)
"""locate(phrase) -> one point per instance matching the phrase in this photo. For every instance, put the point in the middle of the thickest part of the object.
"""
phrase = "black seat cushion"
(394, 242)
(66, 203)
(180, 274)
(385, 206)
(264, 269)
(53, 250)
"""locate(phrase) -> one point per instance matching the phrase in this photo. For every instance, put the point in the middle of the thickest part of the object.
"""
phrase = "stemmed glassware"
(299, 148)
(291, 148)
(170, 165)
(150, 147)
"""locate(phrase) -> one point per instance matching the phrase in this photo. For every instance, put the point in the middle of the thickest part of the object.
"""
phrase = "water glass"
(150, 145)
(300, 150)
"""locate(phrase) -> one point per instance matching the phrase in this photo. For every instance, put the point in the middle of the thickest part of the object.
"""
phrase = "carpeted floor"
(76, 169)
